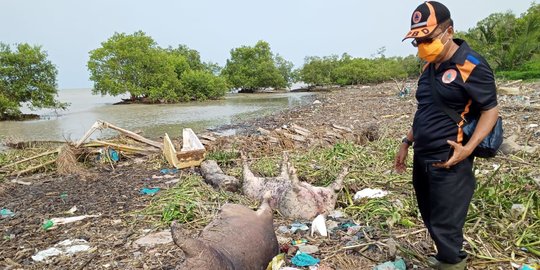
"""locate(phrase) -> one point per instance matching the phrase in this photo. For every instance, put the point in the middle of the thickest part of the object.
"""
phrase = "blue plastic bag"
(304, 259)
(149, 191)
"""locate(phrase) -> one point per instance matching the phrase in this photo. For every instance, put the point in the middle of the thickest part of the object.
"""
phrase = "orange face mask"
(430, 51)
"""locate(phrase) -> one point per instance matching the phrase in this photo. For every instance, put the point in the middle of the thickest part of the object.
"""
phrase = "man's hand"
(460, 153)
(401, 157)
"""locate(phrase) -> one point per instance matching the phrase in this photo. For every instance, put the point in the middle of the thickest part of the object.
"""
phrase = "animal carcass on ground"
(237, 238)
(291, 197)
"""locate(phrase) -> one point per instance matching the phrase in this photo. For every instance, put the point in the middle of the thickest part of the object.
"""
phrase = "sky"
(69, 29)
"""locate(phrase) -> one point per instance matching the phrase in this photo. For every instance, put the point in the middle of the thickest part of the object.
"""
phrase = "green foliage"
(200, 85)
(508, 42)
(266, 167)
(318, 71)
(285, 68)
(26, 75)
(192, 56)
(190, 201)
(528, 71)
(212, 67)
(350, 71)
(223, 157)
(134, 64)
(251, 68)
(412, 65)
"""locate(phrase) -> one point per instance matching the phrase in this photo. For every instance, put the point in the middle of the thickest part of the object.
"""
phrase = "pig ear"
(191, 247)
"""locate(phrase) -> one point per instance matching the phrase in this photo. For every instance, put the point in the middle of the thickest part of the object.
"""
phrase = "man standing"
(443, 177)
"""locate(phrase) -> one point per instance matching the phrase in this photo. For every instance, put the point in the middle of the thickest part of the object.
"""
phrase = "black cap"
(426, 17)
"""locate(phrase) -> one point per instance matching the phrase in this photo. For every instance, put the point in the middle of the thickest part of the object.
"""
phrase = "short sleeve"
(481, 87)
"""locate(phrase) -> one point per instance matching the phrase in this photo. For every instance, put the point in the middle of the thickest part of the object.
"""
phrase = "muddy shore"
(359, 115)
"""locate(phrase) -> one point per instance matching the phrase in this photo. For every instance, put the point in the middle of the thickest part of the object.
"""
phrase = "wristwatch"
(407, 141)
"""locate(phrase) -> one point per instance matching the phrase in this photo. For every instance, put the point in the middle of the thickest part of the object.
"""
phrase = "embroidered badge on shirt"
(449, 76)
(417, 16)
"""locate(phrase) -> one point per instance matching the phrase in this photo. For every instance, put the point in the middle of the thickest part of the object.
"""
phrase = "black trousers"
(443, 197)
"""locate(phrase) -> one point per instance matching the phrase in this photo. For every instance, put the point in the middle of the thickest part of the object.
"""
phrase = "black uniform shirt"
(466, 84)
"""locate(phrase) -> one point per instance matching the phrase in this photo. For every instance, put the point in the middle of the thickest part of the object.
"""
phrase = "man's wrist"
(406, 141)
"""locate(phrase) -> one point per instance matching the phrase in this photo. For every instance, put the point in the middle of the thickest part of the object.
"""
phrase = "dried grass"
(66, 162)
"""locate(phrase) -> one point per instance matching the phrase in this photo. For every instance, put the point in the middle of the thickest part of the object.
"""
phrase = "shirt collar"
(462, 52)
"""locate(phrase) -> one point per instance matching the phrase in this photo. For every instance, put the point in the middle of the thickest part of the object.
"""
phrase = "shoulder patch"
(467, 68)
(473, 59)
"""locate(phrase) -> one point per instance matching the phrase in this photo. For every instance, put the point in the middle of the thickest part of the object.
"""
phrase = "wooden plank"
(300, 130)
(341, 128)
(133, 135)
(169, 152)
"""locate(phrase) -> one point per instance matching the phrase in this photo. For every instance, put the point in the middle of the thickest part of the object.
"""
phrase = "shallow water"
(152, 120)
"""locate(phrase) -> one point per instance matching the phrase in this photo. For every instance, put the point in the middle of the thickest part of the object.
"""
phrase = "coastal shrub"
(252, 68)
(135, 65)
(319, 70)
(528, 71)
(331, 70)
(201, 85)
(26, 76)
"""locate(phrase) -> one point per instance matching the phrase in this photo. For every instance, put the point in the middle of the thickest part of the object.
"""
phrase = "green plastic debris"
(47, 224)
(5, 213)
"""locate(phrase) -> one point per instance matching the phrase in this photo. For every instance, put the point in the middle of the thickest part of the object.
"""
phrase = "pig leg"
(214, 176)
(338, 183)
(285, 166)
(252, 185)
(291, 175)
(265, 210)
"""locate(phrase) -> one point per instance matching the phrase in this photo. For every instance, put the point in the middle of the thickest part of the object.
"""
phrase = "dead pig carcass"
(237, 238)
(292, 198)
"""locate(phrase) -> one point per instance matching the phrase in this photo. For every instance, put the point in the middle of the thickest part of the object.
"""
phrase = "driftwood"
(66, 159)
(103, 125)
(508, 90)
(121, 147)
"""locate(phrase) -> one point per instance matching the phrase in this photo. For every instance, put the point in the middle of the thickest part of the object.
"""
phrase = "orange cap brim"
(420, 32)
